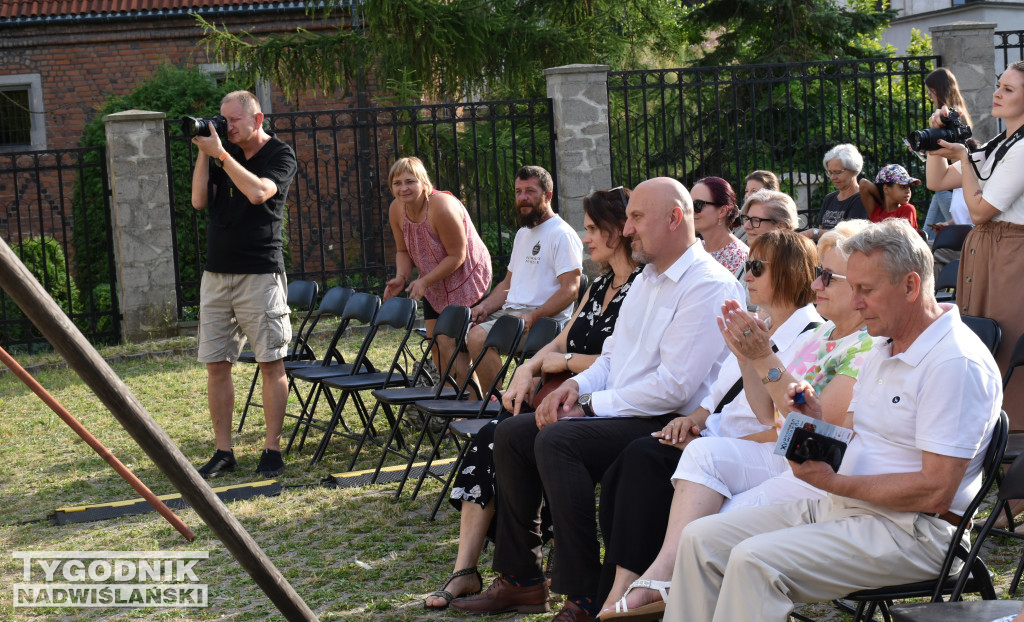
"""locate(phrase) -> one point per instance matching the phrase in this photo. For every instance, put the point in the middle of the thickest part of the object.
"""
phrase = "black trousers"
(565, 460)
(636, 498)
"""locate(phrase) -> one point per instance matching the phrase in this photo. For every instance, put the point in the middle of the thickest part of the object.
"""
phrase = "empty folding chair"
(452, 324)
(301, 298)
(503, 338)
(951, 237)
(360, 307)
(396, 313)
(986, 329)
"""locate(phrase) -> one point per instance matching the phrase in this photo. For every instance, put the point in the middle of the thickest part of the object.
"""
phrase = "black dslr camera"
(953, 130)
(193, 126)
(809, 445)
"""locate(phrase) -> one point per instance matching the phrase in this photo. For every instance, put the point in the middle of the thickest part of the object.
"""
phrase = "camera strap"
(999, 153)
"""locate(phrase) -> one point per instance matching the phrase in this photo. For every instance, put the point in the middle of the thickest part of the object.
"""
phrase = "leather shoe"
(502, 596)
(572, 612)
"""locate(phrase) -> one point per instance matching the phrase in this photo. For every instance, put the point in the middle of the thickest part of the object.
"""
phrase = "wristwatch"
(816, 231)
(773, 375)
(568, 357)
(584, 403)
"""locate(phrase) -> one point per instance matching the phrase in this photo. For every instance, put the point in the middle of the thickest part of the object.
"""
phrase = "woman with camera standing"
(943, 90)
(992, 260)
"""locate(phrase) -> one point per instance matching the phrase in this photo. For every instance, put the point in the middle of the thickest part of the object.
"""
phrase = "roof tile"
(13, 9)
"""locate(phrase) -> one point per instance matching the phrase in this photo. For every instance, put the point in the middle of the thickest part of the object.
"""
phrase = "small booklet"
(805, 438)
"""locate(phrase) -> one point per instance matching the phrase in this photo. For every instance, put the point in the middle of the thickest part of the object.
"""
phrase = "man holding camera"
(243, 186)
(923, 411)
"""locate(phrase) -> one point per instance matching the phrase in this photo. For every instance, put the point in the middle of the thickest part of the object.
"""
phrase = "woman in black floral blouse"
(574, 350)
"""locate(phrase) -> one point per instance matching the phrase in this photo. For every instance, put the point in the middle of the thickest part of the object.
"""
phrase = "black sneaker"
(271, 464)
(221, 462)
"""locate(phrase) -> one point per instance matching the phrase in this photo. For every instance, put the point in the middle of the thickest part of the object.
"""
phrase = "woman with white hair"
(843, 163)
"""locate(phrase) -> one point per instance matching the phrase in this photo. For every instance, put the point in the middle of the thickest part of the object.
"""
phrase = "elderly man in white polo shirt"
(662, 357)
(922, 413)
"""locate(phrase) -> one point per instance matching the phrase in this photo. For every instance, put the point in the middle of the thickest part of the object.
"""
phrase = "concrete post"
(966, 50)
(583, 147)
(141, 216)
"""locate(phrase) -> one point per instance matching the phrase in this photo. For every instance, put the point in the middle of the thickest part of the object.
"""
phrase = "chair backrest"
(359, 306)
(584, 286)
(302, 297)
(990, 471)
(452, 323)
(503, 338)
(986, 329)
(947, 277)
(951, 236)
(1016, 360)
(398, 313)
(541, 333)
(334, 301)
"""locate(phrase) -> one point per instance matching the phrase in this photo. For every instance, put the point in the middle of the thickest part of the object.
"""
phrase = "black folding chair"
(945, 285)
(974, 576)
(986, 329)
(452, 324)
(503, 339)
(360, 307)
(301, 297)
(1015, 444)
(952, 237)
(396, 313)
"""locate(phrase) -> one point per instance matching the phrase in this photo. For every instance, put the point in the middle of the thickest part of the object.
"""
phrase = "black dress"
(475, 482)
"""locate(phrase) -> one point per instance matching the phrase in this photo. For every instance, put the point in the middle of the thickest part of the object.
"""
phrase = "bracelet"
(223, 156)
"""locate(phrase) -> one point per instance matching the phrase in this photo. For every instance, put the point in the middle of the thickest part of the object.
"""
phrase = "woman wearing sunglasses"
(732, 462)
(715, 214)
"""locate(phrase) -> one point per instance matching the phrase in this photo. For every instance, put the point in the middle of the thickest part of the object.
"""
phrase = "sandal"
(643, 613)
(448, 596)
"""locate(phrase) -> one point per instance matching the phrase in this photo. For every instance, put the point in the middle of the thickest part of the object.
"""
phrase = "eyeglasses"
(698, 205)
(754, 221)
(835, 173)
(755, 267)
(825, 275)
(622, 194)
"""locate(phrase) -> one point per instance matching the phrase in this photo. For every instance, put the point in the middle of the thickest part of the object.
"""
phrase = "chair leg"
(1016, 576)
(412, 456)
(451, 476)
(336, 415)
(248, 399)
(434, 452)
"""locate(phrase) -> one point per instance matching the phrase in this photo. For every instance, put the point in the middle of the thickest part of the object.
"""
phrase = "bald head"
(660, 220)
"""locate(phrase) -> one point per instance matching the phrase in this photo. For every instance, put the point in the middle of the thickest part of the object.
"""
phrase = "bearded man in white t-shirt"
(543, 278)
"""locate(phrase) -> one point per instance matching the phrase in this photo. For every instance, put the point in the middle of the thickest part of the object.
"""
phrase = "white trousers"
(729, 466)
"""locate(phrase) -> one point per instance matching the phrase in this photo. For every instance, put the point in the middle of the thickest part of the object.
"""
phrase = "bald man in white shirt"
(661, 359)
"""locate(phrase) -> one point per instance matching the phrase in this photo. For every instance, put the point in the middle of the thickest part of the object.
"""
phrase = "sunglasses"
(698, 205)
(754, 221)
(826, 276)
(622, 194)
(755, 267)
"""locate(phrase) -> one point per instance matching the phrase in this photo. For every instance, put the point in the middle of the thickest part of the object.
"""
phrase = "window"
(22, 122)
(218, 72)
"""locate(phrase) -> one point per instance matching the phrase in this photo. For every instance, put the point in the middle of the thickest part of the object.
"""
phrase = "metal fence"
(727, 121)
(1011, 42)
(337, 228)
(55, 214)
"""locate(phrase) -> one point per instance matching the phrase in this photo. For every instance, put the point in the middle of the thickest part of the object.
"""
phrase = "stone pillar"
(583, 147)
(966, 50)
(141, 218)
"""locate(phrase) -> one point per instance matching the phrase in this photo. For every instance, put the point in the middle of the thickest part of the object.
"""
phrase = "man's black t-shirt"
(242, 238)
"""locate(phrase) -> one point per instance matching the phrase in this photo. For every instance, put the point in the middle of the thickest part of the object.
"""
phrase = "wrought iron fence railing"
(728, 121)
(1011, 42)
(337, 228)
(68, 248)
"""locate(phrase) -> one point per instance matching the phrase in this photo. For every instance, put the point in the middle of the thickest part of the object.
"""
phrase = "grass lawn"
(351, 554)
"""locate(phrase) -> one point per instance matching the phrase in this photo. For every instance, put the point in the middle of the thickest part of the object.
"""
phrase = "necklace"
(617, 287)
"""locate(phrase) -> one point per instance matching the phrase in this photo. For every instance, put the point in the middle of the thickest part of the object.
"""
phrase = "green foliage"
(450, 49)
(768, 31)
(177, 92)
(44, 258)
